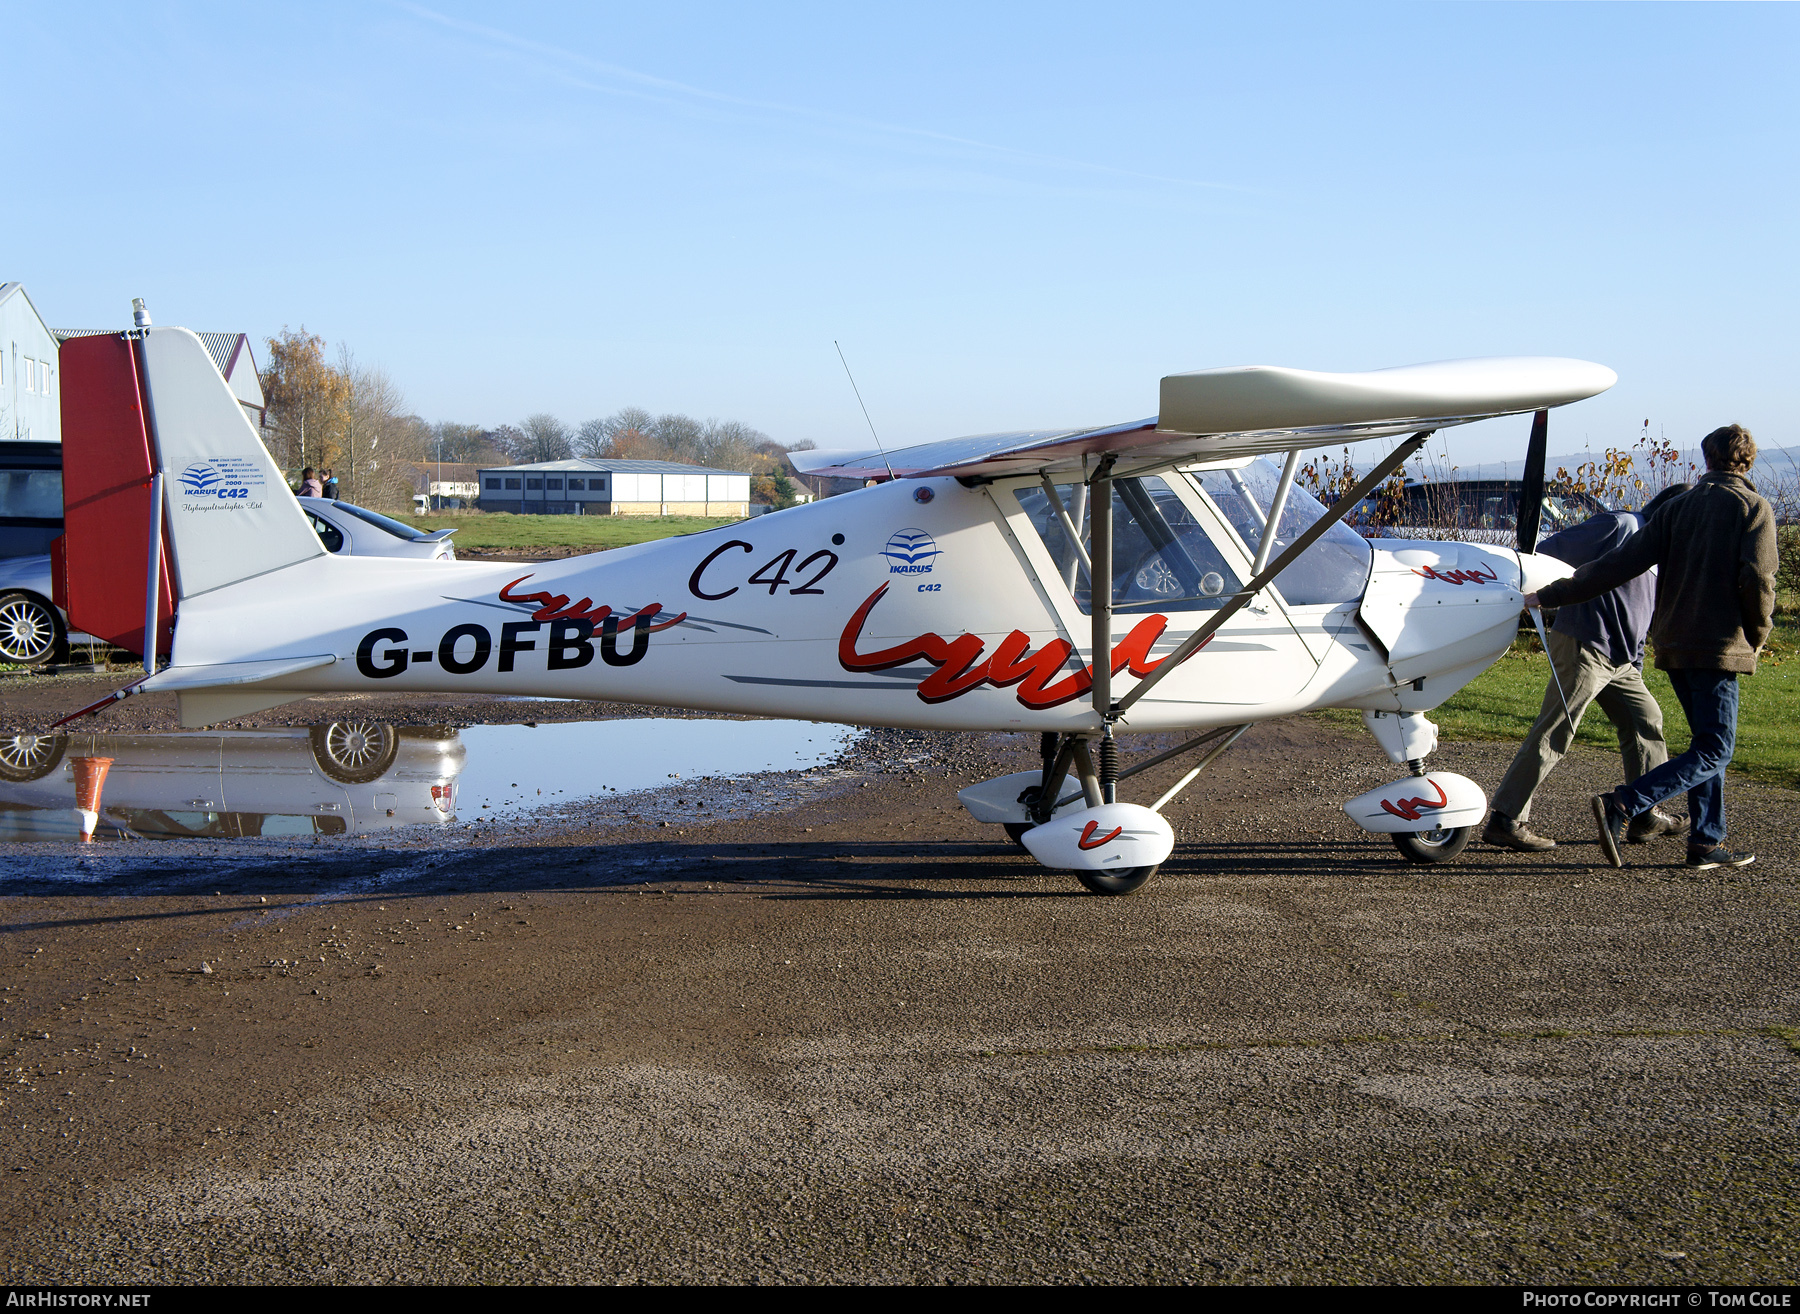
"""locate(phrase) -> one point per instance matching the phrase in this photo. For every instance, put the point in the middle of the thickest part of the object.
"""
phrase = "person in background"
(331, 485)
(1715, 553)
(1596, 651)
(309, 484)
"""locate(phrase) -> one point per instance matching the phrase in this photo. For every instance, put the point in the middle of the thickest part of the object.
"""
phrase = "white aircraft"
(956, 594)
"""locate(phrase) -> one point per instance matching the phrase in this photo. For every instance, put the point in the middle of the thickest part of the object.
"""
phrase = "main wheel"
(1123, 881)
(1438, 845)
(30, 629)
(1015, 831)
(355, 752)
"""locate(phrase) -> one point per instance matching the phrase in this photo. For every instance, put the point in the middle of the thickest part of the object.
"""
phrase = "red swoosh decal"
(962, 668)
(1459, 577)
(1087, 840)
(555, 606)
(1410, 808)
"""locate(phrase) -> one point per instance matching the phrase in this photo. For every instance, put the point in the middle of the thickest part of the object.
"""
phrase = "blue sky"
(1009, 216)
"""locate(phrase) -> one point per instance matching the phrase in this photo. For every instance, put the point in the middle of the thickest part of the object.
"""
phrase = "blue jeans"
(1710, 699)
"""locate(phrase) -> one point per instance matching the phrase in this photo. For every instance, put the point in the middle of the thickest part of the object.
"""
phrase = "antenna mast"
(865, 410)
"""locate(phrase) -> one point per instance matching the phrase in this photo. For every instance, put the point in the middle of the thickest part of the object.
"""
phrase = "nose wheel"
(1439, 845)
(1116, 882)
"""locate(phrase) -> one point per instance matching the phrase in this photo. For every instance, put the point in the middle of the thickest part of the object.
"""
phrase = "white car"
(34, 630)
(359, 532)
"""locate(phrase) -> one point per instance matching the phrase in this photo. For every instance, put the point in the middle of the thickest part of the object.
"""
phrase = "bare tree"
(679, 436)
(376, 436)
(544, 438)
(466, 442)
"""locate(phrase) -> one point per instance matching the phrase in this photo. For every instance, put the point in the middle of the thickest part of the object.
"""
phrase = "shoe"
(1652, 825)
(1505, 833)
(1612, 821)
(1717, 856)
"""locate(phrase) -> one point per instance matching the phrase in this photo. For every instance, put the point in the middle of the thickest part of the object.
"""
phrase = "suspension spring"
(1109, 768)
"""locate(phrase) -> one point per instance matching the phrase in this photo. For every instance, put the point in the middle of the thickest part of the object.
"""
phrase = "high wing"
(1251, 410)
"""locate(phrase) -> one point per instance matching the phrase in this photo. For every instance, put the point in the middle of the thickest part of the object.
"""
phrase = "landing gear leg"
(1440, 844)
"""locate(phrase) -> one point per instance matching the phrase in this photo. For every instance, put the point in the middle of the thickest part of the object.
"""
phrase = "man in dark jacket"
(1714, 549)
(1596, 652)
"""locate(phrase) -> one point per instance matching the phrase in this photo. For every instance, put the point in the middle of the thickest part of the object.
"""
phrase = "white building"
(30, 404)
(615, 488)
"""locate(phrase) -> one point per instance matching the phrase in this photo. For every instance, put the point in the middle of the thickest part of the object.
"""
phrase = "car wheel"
(354, 752)
(31, 632)
(30, 757)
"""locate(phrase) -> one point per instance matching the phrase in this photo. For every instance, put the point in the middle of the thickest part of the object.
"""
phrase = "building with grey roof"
(231, 353)
(30, 400)
(596, 487)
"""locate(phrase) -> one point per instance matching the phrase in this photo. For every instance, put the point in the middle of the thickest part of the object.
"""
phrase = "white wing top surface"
(1251, 410)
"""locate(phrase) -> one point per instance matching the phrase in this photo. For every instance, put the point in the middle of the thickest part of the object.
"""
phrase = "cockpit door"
(1172, 558)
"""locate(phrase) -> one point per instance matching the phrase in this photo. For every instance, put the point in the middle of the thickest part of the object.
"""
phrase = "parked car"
(34, 630)
(358, 531)
(31, 503)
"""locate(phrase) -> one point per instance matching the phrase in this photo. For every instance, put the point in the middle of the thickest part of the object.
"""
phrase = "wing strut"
(1100, 586)
(1277, 504)
(1339, 509)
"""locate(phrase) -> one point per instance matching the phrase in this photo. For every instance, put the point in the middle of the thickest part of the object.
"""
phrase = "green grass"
(505, 530)
(1505, 699)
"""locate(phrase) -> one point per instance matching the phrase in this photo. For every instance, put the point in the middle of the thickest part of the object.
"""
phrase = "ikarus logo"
(910, 551)
(199, 479)
(221, 483)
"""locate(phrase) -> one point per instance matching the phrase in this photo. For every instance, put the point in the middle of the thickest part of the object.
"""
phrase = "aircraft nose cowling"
(1537, 569)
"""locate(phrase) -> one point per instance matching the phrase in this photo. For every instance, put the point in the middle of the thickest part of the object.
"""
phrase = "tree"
(306, 398)
(506, 439)
(543, 437)
(728, 444)
(377, 439)
(465, 442)
(679, 437)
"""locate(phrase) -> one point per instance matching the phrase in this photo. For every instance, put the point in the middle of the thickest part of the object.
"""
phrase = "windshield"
(392, 526)
(1162, 558)
(1334, 569)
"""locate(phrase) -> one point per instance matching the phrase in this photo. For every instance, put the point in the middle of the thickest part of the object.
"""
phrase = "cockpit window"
(1334, 569)
(1162, 558)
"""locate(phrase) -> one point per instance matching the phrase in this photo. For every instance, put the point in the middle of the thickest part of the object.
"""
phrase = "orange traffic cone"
(90, 775)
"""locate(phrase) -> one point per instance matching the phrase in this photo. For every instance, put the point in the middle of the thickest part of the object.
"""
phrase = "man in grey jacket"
(1596, 651)
(1715, 553)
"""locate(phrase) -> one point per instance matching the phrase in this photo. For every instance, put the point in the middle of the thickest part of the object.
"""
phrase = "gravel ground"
(843, 1033)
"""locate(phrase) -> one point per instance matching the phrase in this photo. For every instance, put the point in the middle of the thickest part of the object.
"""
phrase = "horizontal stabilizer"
(223, 674)
(1229, 414)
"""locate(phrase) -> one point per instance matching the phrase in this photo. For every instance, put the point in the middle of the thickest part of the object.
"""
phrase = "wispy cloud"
(618, 80)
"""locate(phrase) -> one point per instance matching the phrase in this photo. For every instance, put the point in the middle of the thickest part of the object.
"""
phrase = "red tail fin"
(107, 465)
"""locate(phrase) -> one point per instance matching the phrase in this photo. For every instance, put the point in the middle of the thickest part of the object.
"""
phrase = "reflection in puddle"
(353, 777)
(513, 768)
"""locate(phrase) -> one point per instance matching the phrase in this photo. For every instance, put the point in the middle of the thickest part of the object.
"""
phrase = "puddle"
(515, 768)
(357, 777)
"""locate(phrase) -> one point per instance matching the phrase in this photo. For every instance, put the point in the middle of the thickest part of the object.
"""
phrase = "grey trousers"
(1587, 677)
